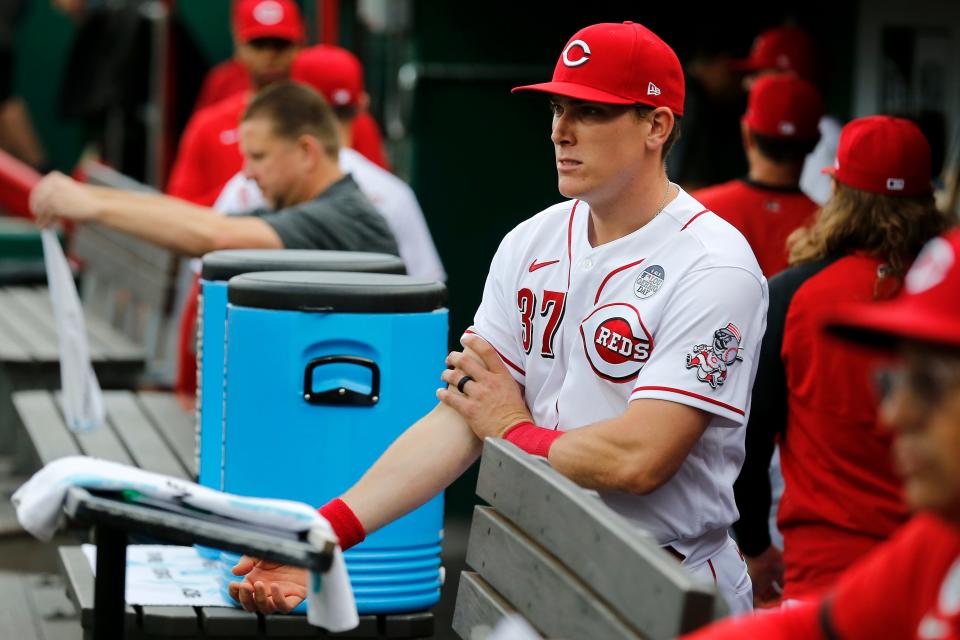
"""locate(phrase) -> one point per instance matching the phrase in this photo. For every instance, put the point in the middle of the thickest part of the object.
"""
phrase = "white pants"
(727, 569)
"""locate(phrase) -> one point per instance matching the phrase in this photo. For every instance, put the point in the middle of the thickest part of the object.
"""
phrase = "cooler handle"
(342, 395)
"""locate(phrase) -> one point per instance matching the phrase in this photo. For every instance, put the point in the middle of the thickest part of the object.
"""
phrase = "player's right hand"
(766, 572)
(268, 587)
(57, 195)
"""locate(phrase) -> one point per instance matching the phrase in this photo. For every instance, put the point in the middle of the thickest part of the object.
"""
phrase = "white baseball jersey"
(674, 311)
(391, 196)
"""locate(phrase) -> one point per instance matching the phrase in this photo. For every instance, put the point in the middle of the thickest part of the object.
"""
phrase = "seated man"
(290, 144)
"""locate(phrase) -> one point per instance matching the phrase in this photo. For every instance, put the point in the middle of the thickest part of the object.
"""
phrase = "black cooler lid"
(331, 292)
(223, 265)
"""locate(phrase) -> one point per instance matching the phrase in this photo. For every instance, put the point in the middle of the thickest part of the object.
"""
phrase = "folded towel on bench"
(39, 505)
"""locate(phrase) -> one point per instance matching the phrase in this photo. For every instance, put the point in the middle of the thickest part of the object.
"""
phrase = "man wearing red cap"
(779, 129)
(268, 34)
(338, 75)
(908, 587)
(790, 49)
(815, 395)
(617, 336)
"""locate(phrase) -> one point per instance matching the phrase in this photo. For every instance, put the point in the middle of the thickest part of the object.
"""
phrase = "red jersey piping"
(690, 221)
(692, 395)
(613, 273)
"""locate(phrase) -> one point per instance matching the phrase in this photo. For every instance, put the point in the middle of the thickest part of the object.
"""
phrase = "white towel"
(82, 399)
(39, 504)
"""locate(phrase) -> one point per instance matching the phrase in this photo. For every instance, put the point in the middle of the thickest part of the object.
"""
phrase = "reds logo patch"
(714, 360)
(616, 342)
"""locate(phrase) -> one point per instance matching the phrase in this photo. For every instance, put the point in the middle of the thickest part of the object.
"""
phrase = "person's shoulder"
(711, 239)
(369, 174)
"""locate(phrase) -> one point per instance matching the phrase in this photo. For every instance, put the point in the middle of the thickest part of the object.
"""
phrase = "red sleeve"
(185, 174)
(224, 80)
(368, 141)
(794, 623)
(870, 600)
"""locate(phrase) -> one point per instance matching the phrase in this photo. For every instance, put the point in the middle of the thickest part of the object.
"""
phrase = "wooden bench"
(146, 429)
(554, 553)
(152, 431)
(30, 357)
(36, 607)
(130, 283)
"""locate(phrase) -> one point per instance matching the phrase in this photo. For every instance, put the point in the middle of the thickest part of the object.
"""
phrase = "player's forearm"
(423, 461)
(169, 222)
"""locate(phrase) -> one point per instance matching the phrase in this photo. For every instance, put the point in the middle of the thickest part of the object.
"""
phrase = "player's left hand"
(492, 401)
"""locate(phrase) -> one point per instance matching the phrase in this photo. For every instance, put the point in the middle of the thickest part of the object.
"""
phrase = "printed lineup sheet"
(168, 575)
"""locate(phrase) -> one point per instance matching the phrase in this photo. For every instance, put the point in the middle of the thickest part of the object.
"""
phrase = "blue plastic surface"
(276, 444)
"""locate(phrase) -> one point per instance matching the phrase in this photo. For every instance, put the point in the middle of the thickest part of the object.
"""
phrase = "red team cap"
(784, 106)
(254, 19)
(782, 49)
(885, 155)
(334, 72)
(617, 64)
(927, 311)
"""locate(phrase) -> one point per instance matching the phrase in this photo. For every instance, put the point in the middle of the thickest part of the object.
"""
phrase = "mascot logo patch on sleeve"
(713, 361)
(616, 343)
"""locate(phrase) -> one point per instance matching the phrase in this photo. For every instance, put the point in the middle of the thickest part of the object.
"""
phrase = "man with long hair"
(841, 497)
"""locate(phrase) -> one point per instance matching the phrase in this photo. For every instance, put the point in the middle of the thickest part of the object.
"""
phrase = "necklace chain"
(663, 201)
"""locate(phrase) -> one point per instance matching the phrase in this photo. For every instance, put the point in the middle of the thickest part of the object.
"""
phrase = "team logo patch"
(616, 342)
(712, 361)
(649, 282)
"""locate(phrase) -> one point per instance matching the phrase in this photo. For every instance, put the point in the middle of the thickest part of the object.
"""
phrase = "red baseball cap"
(883, 154)
(784, 106)
(928, 309)
(280, 19)
(617, 64)
(786, 48)
(335, 72)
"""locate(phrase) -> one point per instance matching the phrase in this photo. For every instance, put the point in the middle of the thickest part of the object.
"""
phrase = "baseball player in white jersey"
(391, 196)
(617, 337)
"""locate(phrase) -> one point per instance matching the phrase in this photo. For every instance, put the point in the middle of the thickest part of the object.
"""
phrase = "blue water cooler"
(323, 372)
(218, 268)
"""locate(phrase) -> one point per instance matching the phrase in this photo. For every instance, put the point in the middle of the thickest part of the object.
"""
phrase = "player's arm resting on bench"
(637, 451)
(163, 220)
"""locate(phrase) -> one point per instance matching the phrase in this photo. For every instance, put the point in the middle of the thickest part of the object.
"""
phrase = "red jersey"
(226, 79)
(841, 495)
(209, 153)
(906, 589)
(765, 216)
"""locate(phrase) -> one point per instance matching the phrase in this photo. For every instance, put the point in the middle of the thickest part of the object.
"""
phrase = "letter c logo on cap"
(579, 61)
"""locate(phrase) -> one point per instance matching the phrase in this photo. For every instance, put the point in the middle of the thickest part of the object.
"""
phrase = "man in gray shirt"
(290, 144)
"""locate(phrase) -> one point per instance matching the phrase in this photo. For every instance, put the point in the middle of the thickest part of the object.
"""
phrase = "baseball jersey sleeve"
(496, 320)
(707, 343)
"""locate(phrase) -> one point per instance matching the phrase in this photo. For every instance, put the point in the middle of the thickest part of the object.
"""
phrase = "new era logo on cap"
(896, 184)
(787, 128)
(652, 89)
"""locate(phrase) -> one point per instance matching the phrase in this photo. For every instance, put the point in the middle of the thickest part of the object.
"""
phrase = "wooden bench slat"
(177, 425)
(136, 431)
(55, 615)
(650, 588)
(106, 343)
(35, 304)
(79, 580)
(17, 619)
(478, 605)
(40, 341)
(12, 347)
(45, 426)
(552, 598)
(101, 442)
(169, 621)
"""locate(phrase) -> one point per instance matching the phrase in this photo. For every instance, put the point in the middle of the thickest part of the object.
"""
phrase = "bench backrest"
(558, 556)
(130, 283)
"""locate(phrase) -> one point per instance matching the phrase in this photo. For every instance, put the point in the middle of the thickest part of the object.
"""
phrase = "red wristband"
(347, 527)
(531, 438)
